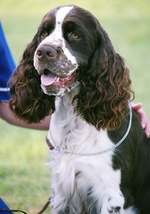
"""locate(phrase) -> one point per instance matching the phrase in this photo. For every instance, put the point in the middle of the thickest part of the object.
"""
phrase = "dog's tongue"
(48, 79)
(51, 79)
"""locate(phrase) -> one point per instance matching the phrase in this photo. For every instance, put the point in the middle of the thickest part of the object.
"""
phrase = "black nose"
(47, 52)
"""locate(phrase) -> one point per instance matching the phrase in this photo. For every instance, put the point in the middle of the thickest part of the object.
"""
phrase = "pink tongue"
(48, 79)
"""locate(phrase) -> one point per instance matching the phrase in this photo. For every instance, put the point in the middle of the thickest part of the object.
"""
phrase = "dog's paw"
(113, 205)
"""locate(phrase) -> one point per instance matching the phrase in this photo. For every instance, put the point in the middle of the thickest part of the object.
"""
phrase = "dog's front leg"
(58, 204)
(112, 202)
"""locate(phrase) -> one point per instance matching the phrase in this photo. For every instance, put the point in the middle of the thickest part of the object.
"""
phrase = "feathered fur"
(87, 120)
(104, 83)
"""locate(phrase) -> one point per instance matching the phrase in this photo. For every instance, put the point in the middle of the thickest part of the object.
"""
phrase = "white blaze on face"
(56, 37)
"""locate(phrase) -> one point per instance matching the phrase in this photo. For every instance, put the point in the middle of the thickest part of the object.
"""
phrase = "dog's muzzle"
(56, 70)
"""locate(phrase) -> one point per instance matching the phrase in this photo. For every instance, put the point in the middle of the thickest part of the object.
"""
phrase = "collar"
(112, 148)
(49, 144)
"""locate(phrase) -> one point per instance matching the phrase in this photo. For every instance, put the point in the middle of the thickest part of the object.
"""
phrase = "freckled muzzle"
(56, 70)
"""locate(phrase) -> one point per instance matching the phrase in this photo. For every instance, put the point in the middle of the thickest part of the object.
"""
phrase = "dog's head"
(66, 42)
(71, 48)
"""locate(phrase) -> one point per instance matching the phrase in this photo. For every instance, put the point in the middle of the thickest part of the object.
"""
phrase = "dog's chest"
(67, 130)
(74, 169)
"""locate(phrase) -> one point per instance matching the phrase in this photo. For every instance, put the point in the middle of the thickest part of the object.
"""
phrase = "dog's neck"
(64, 120)
(68, 97)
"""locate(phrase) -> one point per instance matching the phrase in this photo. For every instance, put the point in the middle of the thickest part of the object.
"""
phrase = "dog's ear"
(28, 101)
(105, 89)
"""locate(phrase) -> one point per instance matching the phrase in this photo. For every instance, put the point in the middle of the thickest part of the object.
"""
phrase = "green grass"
(24, 175)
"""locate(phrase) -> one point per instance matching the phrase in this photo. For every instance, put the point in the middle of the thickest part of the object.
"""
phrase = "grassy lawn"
(24, 174)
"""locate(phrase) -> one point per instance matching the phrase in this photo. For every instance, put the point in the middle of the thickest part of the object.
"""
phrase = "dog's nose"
(47, 52)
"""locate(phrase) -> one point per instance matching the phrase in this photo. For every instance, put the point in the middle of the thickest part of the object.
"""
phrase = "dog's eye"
(74, 36)
(43, 35)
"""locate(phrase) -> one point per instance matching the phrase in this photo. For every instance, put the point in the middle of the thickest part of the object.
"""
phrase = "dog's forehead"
(58, 14)
(62, 13)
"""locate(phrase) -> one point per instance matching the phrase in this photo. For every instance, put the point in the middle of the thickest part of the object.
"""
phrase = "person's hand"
(145, 121)
(9, 116)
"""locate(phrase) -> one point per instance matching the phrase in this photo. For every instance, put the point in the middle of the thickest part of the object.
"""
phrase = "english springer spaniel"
(100, 154)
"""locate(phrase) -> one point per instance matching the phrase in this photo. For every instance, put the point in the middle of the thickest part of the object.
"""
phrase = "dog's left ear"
(28, 100)
(105, 90)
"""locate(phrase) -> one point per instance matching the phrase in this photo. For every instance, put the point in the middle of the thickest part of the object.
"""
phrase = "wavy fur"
(111, 181)
(104, 86)
(28, 100)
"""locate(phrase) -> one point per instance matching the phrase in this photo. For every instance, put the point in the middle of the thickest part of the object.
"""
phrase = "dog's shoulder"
(134, 146)
(132, 157)
(135, 134)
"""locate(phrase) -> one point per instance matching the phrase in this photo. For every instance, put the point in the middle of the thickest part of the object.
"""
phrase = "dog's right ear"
(28, 100)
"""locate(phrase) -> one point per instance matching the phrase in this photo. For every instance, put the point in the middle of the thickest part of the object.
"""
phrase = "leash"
(44, 207)
(112, 148)
(11, 211)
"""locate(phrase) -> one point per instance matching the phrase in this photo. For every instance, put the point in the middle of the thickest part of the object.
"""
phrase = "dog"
(99, 151)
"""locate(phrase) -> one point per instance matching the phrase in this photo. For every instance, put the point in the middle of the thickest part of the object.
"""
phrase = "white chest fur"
(75, 175)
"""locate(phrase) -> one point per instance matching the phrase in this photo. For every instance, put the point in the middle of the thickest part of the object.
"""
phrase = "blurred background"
(24, 174)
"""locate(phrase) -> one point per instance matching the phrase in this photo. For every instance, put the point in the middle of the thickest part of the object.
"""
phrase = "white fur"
(56, 37)
(74, 175)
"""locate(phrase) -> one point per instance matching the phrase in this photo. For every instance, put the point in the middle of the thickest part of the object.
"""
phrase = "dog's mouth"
(53, 84)
(54, 80)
